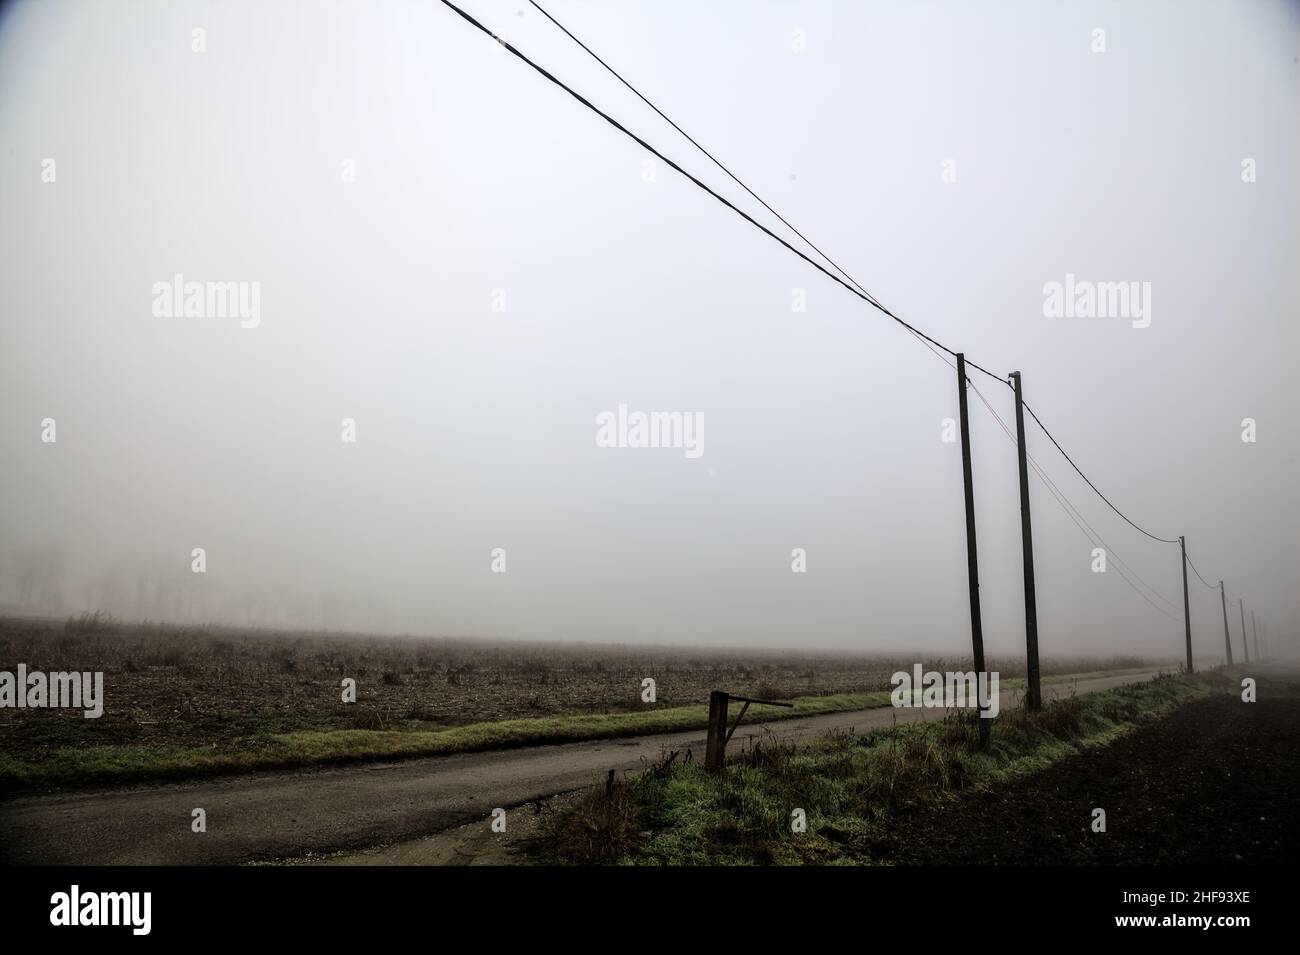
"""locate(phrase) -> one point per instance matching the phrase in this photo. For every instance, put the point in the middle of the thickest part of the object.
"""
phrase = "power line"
(1065, 505)
(848, 282)
(1110, 550)
(1079, 521)
(1088, 530)
(869, 297)
(1163, 540)
(717, 162)
(726, 202)
(1198, 574)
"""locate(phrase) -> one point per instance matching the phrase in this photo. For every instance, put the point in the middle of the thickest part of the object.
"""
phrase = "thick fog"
(464, 269)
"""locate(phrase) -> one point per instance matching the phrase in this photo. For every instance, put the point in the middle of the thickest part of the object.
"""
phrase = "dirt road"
(284, 815)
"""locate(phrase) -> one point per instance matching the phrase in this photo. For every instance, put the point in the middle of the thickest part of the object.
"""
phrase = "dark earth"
(1215, 782)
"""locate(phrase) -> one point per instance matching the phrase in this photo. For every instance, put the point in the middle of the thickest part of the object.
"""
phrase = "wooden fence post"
(717, 741)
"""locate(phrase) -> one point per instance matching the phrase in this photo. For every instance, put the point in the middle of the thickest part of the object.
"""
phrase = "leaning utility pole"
(1034, 697)
(1255, 630)
(1226, 642)
(1245, 644)
(972, 562)
(1187, 613)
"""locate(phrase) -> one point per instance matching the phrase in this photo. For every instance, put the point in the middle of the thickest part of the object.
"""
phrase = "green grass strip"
(82, 766)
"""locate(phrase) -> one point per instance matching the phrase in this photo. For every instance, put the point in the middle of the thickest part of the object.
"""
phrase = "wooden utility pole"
(1034, 696)
(1255, 630)
(1245, 643)
(1187, 613)
(972, 560)
(1227, 644)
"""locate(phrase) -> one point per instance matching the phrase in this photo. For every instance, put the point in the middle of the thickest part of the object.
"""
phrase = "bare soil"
(1216, 782)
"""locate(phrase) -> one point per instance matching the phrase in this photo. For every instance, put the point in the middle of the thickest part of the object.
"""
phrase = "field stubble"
(200, 688)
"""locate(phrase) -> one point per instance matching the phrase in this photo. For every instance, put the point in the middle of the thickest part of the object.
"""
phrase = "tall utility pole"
(1187, 613)
(1245, 644)
(1226, 642)
(1034, 697)
(1255, 630)
(972, 561)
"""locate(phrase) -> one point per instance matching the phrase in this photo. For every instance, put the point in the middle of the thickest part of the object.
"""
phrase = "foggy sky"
(475, 428)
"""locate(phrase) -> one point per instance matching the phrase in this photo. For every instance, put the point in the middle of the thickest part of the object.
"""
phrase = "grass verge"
(82, 766)
(85, 766)
(847, 786)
